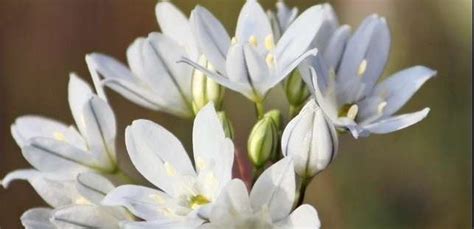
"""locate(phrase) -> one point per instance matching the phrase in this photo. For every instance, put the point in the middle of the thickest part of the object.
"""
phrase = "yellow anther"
(381, 106)
(269, 45)
(58, 136)
(270, 59)
(82, 201)
(362, 68)
(352, 112)
(233, 41)
(170, 170)
(253, 40)
(197, 201)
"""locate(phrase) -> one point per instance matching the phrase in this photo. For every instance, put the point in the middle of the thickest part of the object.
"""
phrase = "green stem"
(260, 109)
(302, 185)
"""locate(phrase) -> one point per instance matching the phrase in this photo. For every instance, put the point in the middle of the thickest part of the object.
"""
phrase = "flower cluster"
(331, 80)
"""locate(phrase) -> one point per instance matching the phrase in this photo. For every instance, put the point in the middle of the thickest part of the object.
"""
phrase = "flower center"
(197, 201)
(349, 110)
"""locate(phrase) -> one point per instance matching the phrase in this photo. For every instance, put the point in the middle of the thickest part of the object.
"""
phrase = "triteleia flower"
(311, 140)
(60, 154)
(53, 147)
(269, 204)
(282, 18)
(155, 80)
(250, 63)
(162, 160)
(344, 81)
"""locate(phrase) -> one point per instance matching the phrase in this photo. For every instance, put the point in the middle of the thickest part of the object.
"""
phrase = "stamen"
(362, 68)
(269, 44)
(253, 40)
(233, 41)
(381, 106)
(197, 201)
(82, 201)
(352, 112)
(58, 136)
(270, 59)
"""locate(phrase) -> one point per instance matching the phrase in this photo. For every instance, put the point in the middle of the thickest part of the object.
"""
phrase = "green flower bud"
(226, 124)
(204, 89)
(275, 115)
(263, 141)
(296, 90)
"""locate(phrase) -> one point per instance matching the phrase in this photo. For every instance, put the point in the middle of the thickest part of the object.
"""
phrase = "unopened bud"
(263, 141)
(311, 140)
(226, 124)
(275, 115)
(204, 89)
(295, 89)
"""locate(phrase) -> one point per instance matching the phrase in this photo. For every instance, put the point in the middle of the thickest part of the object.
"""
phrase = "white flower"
(250, 63)
(311, 140)
(60, 153)
(163, 161)
(53, 147)
(282, 18)
(154, 80)
(269, 204)
(345, 81)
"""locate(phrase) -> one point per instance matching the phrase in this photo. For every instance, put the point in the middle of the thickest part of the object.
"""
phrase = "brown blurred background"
(416, 178)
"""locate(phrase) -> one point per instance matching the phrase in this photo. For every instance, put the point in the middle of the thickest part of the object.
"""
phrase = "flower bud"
(311, 140)
(204, 89)
(226, 124)
(263, 141)
(275, 115)
(295, 89)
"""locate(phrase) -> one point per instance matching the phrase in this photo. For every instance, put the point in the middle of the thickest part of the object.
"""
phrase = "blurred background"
(419, 177)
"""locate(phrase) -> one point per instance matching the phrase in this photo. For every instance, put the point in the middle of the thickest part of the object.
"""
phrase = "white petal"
(397, 89)
(395, 123)
(109, 67)
(93, 186)
(165, 224)
(54, 192)
(257, 68)
(364, 59)
(336, 45)
(37, 218)
(285, 15)
(298, 37)
(28, 127)
(84, 216)
(157, 154)
(49, 155)
(100, 130)
(211, 37)
(151, 60)
(79, 92)
(233, 200)
(212, 150)
(275, 189)
(254, 22)
(146, 203)
(238, 71)
(305, 216)
(175, 24)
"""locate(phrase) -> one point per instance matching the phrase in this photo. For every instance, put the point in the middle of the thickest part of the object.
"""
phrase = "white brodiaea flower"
(344, 81)
(251, 63)
(60, 154)
(154, 80)
(268, 205)
(162, 160)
